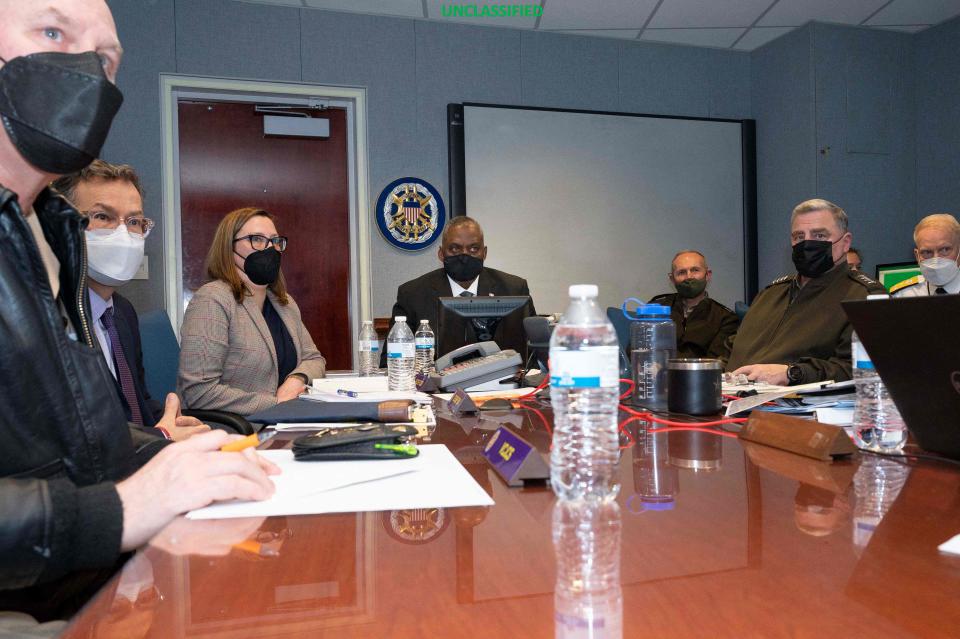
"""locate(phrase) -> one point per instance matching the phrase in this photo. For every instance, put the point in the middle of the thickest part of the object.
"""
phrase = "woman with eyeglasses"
(243, 344)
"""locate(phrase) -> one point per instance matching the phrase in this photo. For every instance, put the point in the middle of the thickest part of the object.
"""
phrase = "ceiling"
(743, 25)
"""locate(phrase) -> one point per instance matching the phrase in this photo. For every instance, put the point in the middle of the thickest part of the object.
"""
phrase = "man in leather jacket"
(68, 500)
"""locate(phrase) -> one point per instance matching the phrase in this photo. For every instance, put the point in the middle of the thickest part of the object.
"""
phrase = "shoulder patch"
(899, 286)
(863, 280)
(781, 280)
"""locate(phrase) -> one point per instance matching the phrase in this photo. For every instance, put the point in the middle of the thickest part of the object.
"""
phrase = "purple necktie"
(123, 370)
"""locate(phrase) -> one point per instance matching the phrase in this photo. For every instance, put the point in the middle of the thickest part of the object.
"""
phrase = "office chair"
(622, 326)
(741, 308)
(161, 357)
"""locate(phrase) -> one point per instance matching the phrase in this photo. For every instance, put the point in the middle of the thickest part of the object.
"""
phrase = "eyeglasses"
(260, 242)
(136, 224)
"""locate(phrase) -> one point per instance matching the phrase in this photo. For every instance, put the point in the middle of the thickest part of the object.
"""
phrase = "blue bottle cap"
(653, 309)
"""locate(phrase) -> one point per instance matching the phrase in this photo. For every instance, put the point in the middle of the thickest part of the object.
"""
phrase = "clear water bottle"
(877, 484)
(369, 350)
(653, 341)
(584, 389)
(588, 599)
(424, 342)
(877, 424)
(400, 356)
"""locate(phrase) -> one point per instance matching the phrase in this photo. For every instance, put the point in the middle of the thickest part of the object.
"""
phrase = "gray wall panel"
(145, 29)
(864, 104)
(782, 98)
(673, 80)
(240, 40)
(570, 72)
(938, 119)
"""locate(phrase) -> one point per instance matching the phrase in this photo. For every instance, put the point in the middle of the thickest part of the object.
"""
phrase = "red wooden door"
(226, 163)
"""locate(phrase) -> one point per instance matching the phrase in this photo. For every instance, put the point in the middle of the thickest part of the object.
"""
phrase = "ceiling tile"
(916, 12)
(759, 36)
(793, 13)
(407, 8)
(685, 14)
(909, 28)
(696, 37)
(609, 14)
(434, 12)
(624, 34)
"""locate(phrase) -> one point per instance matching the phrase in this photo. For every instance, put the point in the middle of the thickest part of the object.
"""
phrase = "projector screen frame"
(457, 184)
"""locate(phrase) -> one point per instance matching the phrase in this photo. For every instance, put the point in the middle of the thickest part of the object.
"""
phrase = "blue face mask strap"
(623, 307)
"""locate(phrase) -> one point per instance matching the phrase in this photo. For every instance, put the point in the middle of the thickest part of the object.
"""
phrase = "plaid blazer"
(227, 357)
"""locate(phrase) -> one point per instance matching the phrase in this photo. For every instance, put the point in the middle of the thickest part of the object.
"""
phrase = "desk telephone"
(474, 365)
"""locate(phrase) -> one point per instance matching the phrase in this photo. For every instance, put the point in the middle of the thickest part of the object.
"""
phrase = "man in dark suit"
(462, 253)
(111, 197)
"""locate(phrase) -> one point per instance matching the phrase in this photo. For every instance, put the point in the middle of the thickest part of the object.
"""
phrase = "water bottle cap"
(422, 321)
(400, 318)
(653, 309)
(584, 290)
(368, 321)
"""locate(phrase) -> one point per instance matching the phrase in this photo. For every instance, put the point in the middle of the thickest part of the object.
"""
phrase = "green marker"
(401, 449)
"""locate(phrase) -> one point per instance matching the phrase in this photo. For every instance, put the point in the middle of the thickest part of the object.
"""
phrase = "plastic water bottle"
(400, 356)
(588, 599)
(369, 350)
(653, 341)
(584, 389)
(424, 342)
(877, 424)
(877, 484)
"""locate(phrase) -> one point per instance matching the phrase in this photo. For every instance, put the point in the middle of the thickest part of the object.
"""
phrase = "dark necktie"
(123, 369)
(940, 291)
(466, 294)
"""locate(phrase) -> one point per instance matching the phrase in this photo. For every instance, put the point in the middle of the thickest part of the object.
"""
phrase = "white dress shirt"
(98, 306)
(457, 289)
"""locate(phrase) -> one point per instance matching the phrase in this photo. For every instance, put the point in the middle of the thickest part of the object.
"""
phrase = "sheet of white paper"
(372, 384)
(835, 416)
(431, 420)
(740, 405)
(951, 545)
(433, 479)
(366, 396)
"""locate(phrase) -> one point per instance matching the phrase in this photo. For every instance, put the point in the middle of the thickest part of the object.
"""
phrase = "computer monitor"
(892, 274)
(467, 320)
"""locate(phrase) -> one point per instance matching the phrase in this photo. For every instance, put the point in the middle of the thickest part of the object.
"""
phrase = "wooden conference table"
(717, 539)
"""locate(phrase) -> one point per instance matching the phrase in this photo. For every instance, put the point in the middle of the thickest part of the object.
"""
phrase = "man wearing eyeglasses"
(462, 253)
(111, 198)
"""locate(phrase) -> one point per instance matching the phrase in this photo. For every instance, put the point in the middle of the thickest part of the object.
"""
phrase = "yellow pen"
(248, 442)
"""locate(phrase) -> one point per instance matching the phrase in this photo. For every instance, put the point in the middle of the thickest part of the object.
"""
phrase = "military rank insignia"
(410, 214)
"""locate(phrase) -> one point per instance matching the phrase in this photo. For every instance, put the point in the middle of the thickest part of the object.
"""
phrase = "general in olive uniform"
(796, 332)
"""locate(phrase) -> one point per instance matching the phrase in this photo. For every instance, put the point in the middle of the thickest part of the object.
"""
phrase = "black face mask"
(813, 258)
(690, 288)
(462, 268)
(57, 108)
(262, 267)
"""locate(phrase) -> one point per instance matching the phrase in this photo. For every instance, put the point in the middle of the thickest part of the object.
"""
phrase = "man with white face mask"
(111, 198)
(937, 240)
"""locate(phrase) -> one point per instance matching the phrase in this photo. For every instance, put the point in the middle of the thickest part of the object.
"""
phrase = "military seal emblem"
(410, 214)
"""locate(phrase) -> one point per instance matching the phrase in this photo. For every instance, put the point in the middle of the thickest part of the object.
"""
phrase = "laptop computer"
(914, 343)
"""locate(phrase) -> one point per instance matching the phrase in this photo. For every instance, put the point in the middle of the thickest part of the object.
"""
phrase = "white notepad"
(432, 479)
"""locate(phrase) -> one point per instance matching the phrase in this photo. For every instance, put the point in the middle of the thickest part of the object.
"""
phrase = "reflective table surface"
(709, 537)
